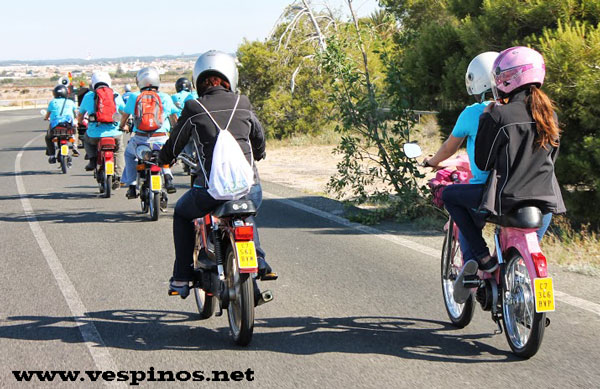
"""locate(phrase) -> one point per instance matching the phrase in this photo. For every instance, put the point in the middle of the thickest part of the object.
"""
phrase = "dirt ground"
(305, 168)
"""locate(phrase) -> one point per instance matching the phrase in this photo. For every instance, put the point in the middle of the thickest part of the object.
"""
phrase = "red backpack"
(105, 105)
(148, 114)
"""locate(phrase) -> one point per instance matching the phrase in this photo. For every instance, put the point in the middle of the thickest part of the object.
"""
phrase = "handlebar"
(186, 159)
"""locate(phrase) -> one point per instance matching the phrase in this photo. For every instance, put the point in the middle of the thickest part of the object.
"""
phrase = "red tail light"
(541, 266)
(63, 141)
(244, 233)
(154, 169)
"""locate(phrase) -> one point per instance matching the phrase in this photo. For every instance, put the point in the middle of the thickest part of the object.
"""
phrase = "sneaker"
(169, 185)
(181, 291)
(461, 294)
(91, 165)
(490, 265)
(52, 159)
(116, 184)
(131, 192)
(265, 273)
(75, 153)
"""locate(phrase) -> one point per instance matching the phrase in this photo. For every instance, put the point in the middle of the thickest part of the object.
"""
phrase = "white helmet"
(217, 62)
(100, 77)
(147, 77)
(478, 78)
(64, 80)
(127, 88)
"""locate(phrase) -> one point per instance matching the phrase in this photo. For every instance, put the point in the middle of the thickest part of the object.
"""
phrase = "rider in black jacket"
(215, 75)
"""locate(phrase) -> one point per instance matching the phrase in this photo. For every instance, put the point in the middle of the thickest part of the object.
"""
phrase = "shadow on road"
(30, 148)
(79, 217)
(406, 338)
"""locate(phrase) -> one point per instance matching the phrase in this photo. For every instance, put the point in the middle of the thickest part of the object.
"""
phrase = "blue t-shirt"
(100, 130)
(168, 109)
(126, 96)
(68, 112)
(466, 126)
(191, 96)
(179, 100)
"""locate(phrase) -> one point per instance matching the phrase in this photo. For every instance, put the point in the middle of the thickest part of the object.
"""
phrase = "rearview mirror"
(43, 112)
(412, 150)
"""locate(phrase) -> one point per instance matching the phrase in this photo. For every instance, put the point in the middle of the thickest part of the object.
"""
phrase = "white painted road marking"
(89, 332)
(560, 296)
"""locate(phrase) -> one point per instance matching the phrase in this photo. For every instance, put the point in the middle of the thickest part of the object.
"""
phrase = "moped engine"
(484, 295)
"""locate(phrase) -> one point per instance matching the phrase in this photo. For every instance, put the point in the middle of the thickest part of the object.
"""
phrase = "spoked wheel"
(241, 304)
(64, 160)
(524, 328)
(154, 204)
(205, 303)
(144, 199)
(460, 314)
(108, 180)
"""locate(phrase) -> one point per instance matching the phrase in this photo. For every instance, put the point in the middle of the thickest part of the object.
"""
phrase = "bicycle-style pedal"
(471, 282)
(264, 298)
(269, 277)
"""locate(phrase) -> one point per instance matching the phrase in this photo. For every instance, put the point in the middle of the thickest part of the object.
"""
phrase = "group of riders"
(174, 123)
(511, 131)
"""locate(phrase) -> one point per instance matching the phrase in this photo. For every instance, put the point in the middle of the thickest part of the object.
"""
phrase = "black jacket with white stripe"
(195, 124)
(522, 172)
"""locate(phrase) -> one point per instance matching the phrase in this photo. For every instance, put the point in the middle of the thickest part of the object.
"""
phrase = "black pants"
(196, 203)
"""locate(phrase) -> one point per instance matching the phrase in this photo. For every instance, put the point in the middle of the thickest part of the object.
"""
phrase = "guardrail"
(24, 103)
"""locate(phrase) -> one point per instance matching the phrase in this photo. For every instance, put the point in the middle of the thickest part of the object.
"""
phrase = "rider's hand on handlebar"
(426, 163)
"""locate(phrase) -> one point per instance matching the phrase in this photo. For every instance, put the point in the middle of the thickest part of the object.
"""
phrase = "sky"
(42, 29)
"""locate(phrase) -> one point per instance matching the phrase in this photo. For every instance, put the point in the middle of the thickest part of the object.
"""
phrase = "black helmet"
(183, 84)
(60, 91)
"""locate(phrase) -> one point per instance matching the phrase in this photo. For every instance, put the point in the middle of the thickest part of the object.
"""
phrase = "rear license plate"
(246, 254)
(110, 168)
(64, 150)
(155, 183)
(544, 295)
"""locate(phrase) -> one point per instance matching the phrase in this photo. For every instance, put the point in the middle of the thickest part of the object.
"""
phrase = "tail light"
(541, 266)
(63, 141)
(154, 169)
(244, 233)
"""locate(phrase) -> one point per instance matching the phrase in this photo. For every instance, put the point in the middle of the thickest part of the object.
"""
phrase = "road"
(83, 282)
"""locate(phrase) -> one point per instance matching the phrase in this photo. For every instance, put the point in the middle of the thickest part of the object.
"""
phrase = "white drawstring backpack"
(231, 176)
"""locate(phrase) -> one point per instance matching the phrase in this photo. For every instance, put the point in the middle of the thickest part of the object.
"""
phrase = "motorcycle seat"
(522, 217)
(235, 208)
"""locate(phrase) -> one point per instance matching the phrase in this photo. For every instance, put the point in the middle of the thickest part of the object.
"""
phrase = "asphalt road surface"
(83, 283)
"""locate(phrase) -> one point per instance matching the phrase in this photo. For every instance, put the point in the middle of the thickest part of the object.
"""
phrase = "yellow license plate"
(64, 150)
(155, 183)
(544, 295)
(110, 168)
(246, 257)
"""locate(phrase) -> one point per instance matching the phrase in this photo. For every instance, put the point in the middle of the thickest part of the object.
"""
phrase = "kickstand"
(496, 320)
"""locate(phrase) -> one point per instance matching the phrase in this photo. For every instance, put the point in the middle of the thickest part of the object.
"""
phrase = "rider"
(127, 93)
(183, 86)
(517, 141)
(97, 130)
(148, 80)
(215, 76)
(60, 110)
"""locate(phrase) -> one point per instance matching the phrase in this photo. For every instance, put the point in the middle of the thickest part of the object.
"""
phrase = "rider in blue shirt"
(60, 110)
(147, 79)
(96, 131)
(183, 86)
(127, 93)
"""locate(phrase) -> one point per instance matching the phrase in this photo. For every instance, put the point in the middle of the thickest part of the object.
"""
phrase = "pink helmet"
(515, 67)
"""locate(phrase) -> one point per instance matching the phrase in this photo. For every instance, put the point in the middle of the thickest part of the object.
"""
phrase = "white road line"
(560, 296)
(89, 332)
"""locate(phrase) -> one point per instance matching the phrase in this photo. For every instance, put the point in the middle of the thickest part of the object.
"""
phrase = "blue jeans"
(196, 203)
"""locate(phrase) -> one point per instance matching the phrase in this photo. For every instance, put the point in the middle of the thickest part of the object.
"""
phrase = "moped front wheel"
(205, 303)
(523, 326)
(459, 314)
(241, 304)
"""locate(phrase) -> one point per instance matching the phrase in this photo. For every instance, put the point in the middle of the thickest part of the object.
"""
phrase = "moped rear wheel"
(154, 203)
(205, 303)
(459, 314)
(524, 328)
(241, 307)
(63, 163)
(108, 180)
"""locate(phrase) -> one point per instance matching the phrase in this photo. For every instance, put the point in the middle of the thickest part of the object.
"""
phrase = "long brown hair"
(210, 81)
(542, 110)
